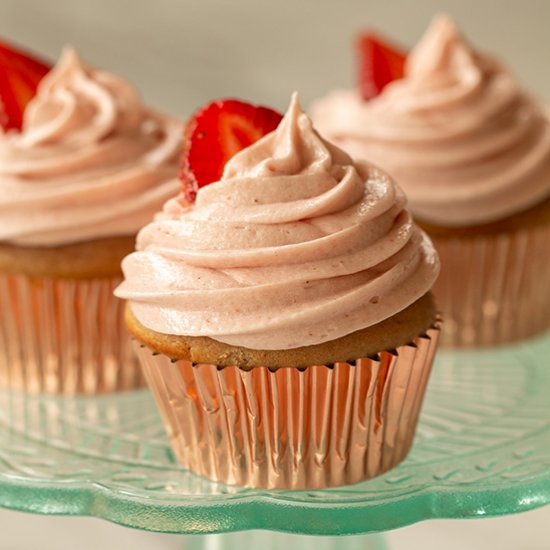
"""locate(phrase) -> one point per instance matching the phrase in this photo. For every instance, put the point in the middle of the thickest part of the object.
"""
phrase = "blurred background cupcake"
(471, 150)
(83, 165)
(284, 320)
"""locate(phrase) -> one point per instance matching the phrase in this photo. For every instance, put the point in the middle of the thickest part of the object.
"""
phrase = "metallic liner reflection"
(290, 428)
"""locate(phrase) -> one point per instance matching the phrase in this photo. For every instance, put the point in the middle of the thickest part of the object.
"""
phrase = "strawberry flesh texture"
(379, 64)
(215, 134)
(20, 74)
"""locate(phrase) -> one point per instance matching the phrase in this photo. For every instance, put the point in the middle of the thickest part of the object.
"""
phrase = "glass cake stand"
(482, 449)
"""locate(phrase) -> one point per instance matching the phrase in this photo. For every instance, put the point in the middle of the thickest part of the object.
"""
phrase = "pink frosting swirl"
(465, 142)
(91, 160)
(295, 245)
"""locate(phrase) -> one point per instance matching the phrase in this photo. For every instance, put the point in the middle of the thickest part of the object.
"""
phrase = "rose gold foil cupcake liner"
(292, 428)
(494, 289)
(64, 336)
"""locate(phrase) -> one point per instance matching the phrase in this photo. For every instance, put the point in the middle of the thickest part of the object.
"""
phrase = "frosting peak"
(457, 132)
(293, 148)
(294, 246)
(441, 49)
(73, 107)
(90, 161)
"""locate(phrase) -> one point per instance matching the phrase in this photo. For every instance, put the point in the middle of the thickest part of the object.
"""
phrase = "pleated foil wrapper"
(494, 289)
(64, 336)
(292, 428)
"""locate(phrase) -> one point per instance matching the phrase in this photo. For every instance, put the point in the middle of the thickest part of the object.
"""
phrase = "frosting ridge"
(294, 246)
(466, 143)
(91, 161)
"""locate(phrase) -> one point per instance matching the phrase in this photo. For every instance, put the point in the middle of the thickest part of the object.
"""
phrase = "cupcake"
(88, 167)
(283, 320)
(471, 150)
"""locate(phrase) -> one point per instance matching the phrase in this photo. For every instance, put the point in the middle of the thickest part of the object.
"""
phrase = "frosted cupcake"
(471, 150)
(89, 167)
(284, 320)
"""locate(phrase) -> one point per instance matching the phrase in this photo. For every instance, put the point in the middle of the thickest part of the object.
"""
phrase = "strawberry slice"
(216, 133)
(20, 74)
(379, 64)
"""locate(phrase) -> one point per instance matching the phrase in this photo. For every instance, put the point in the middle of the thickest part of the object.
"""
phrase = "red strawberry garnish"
(215, 134)
(379, 64)
(20, 74)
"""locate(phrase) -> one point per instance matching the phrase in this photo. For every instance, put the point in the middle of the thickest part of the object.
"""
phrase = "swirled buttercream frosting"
(296, 245)
(461, 137)
(91, 161)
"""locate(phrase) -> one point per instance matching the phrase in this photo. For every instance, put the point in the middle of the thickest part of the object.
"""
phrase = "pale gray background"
(182, 53)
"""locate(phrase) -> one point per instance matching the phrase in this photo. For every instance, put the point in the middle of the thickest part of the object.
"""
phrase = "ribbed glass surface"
(482, 448)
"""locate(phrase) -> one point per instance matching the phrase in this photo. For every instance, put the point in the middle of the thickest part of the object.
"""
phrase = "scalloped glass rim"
(483, 449)
(262, 512)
